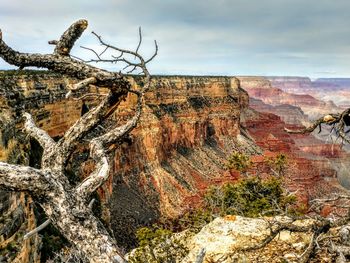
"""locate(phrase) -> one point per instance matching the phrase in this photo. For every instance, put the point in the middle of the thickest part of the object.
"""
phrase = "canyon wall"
(316, 151)
(289, 91)
(189, 127)
(336, 90)
(36, 92)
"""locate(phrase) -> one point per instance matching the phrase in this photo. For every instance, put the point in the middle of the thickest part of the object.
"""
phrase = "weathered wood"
(68, 38)
(67, 207)
(21, 178)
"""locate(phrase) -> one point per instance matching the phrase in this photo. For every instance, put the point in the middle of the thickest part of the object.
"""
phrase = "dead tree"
(338, 244)
(339, 123)
(67, 206)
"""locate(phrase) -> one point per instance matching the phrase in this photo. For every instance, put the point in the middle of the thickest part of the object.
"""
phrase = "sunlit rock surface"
(189, 127)
(228, 239)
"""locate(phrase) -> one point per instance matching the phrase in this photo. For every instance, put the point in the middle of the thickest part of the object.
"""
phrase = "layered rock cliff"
(276, 92)
(189, 127)
(315, 155)
(336, 90)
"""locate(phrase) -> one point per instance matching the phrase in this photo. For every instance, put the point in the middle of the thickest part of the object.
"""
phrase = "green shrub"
(278, 164)
(249, 197)
(239, 161)
(152, 235)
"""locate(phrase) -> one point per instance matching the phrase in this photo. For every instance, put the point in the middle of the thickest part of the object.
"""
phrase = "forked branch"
(65, 204)
(23, 178)
(339, 123)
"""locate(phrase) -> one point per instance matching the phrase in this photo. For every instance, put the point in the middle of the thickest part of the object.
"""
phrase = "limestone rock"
(226, 237)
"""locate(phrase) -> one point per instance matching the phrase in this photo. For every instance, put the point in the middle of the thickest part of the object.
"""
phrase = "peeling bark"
(67, 207)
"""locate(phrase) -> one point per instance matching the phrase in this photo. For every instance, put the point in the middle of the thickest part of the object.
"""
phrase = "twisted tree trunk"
(65, 205)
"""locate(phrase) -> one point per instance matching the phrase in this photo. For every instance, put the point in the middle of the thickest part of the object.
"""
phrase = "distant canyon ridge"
(189, 127)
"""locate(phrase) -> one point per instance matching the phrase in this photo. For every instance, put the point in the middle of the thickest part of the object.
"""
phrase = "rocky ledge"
(238, 239)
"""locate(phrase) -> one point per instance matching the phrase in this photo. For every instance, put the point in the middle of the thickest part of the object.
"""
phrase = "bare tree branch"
(339, 122)
(37, 229)
(40, 135)
(22, 178)
(66, 205)
(68, 38)
(82, 84)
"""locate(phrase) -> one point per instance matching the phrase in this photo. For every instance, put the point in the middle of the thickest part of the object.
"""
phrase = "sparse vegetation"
(250, 197)
(239, 161)
(152, 235)
(278, 164)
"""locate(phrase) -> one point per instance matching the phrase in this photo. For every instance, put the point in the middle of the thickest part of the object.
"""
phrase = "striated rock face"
(318, 163)
(314, 168)
(288, 113)
(275, 93)
(189, 126)
(336, 90)
(296, 85)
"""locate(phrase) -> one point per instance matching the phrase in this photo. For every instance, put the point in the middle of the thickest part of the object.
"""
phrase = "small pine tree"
(239, 161)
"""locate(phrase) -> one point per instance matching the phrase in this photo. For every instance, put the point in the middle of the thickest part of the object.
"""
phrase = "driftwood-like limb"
(40, 135)
(22, 178)
(87, 122)
(82, 84)
(327, 119)
(37, 229)
(276, 228)
(305, 256)
(338, 121)
(68, 38)
(66, 205)
(91, 204)
(52, 42)
(97, 152)
(62, 64)
(100, 174)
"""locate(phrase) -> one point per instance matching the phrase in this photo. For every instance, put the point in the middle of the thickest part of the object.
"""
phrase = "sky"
(207, 37)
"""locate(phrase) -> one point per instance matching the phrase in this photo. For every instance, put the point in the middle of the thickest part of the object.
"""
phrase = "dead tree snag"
(67, 206)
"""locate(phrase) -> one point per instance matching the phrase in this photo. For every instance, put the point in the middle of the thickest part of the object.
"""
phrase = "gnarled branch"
(23, 178)
(68, 38)
(338, 121)
(40, 135)
(37, 229)
(66, 205)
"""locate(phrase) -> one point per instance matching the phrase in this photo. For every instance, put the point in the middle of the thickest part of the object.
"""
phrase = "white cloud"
(287, 37)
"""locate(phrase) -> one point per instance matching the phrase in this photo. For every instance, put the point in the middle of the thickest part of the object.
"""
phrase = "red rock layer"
(310, 173)
(261, 88)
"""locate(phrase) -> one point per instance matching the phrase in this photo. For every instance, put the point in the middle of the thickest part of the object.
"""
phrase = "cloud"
(229, 37)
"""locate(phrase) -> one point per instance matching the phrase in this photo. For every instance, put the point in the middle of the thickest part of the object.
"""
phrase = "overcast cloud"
(211, 37)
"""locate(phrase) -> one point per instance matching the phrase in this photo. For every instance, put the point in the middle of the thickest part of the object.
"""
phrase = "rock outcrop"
(189, 127)
(237, 239)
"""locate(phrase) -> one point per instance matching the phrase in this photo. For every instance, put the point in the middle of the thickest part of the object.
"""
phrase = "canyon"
(190, 125)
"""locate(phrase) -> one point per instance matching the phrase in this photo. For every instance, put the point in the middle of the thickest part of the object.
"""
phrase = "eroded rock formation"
(276, 92)
(189, 127)
(239, 239)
